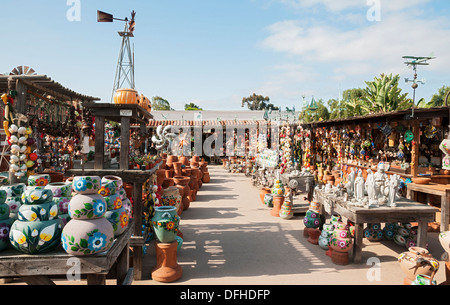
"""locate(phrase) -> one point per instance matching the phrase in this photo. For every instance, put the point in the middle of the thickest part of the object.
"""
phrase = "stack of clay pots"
(14, 197)
(88, 232)
(205, 173)
(116, 213)
(278, 198)
(341, 241)
(172, 197)
(38, 228)
(62, 193)
(182, 183)
(286, 211)
(5, 222)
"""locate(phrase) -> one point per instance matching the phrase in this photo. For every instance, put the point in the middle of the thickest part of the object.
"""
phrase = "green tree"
(351, 105)
(258, 102)
(191, 106)
(158, 103)
(384, 95)
(311, 115)
(438, 99)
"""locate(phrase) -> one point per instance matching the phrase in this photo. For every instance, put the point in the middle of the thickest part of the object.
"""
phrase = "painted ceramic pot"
(86, 184)
(39, 180)
(14, 190)
(5, 229)
(165, 223)
(312, 219)
(38, 212)
(63, 204)
(411, 240)
(36, 237)
(60, 189)
(122, 193)
(113, 202)
(314, 206)
(373, 232)
(390, 230)
(263, 192)
(65, 218)
(36, 195)
(423, 280)
(410, 262)
(3, 196)
(286, 211)
(14, 204)
(4, 180)
(126, 203)
(268, 200)
(119, 219)
(115, 179)
(341, 239)
(278, 188)
(171, 196)
(324, 239)
(87, 237)
(445, 146)
(108, 188)
(87, 206)
(444, 239)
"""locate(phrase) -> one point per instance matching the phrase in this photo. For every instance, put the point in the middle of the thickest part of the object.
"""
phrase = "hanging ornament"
(430, 131)
(409, 136)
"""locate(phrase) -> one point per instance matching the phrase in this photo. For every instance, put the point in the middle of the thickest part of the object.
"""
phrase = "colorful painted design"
(14, 190)
(96, 242)
(86, 184)
(89, 210)
(36, 195)
(37, 238)
(39, 180)
(60, 189)
(38, 212)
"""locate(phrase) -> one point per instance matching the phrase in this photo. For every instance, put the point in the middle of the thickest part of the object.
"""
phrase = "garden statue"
(359, 188)
(394, 183)
(370, 187)
(351, 183)
(380, 178)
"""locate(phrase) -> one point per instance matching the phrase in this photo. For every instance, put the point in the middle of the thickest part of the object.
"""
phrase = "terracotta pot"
(277, 203)
(184, 160)
(409, 262)
(55, 176)
(263, 192)
(206, 178)
(339, 258)
(177, 168)
(195, 159)
(314, 235)
(169, 173)
(171, 160)
(128, 189)
(167, 269)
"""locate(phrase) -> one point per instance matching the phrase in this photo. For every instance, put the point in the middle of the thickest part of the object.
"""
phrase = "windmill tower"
(124, 77)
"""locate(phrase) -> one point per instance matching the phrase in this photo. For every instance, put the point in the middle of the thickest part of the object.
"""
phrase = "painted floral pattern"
(83, 184)
(36, 240)
(96, 242)
(94, 209)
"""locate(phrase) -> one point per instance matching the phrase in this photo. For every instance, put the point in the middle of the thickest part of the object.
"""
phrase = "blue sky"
(215, 52)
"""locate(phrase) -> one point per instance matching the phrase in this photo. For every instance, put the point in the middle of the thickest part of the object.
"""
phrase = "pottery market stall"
(41, 269)
(405, 211)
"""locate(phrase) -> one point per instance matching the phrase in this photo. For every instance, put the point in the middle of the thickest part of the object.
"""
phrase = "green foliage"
(322, 113)
(258, 102)
(158, 103)
(191, 107)
(438, 99)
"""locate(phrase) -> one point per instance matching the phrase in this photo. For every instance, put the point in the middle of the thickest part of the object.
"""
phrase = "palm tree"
(384, 95)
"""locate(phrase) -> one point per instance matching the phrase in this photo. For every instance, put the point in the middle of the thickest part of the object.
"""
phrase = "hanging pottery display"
(88, 232)
(38, 228)
(5, 222)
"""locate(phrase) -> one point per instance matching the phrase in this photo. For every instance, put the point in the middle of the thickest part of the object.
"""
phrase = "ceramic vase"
(411, 240)
(264, 191)
(5, 222)
(341, 242)
(119, 219)
(38, 228)
(401, 235)
(286, 211)
(390, 230)
(171, 197)
(268, 200)
(206, 177)
(165, 223)
(14, 198)
(167, 268)
(60, 189)
(324, 239)
(278, 188)
(88, 232)
(312, 219)
(373, 232)
(39, 180)
(411, 263)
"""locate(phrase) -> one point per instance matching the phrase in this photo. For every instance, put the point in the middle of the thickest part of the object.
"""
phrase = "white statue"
(380, 180)
(351, 182)
(370, 187)
(394, 182)
(359, 187)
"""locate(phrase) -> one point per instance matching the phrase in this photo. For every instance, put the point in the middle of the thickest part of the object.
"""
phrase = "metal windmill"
(125, 64)
(413, 62)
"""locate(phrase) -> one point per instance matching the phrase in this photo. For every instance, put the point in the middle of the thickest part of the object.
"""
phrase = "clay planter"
(160, 176)
(195, 159)
(171, 197)
(421, 180)
(268, 200)
(87, 237)
(115, 180)
(408, 263)
(113, 202)
(38, 212)
(177, 169)
(169, 173)
(263, 192)
(165, 223)
(119, 220)
(86, 184)
(60, 189)
(341, 242)
(39, 180)
(167, 269)
(87, 206)
(277, 203)
(206, 178)
(314, 235)
(373, 232)
(184, 160)
(170, 160)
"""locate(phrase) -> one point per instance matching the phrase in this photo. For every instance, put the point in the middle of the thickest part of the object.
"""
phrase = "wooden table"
(442, 190)
(40, 268)
(405, 212)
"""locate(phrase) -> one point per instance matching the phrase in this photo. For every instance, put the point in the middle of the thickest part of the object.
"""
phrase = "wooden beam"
(124, 142)
(99, 142)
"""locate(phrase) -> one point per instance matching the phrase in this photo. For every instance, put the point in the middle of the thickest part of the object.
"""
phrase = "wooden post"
(124, 142)
(99, 142)
(415, 152)
(137, 214)
(21, 98)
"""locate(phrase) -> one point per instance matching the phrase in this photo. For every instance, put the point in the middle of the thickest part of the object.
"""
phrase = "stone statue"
(351, 182)
(359, 187)
(370, 188)
(394, 182)
(380, 178)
